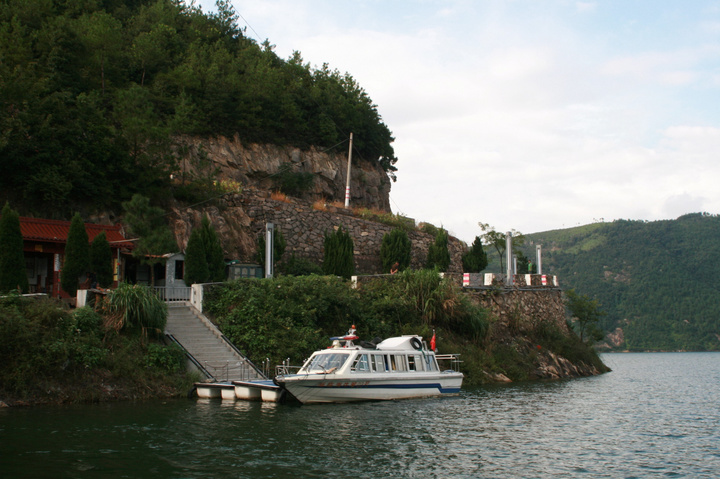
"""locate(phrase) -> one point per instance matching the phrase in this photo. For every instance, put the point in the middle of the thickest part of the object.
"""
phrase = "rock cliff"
(259, 166)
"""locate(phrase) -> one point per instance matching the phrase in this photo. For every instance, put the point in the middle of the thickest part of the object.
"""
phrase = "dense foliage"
(289, 317)
(438, 255)
(475, 259)
(656, 280)
(48, 353)
(204, 261)
(395, 248)
(77, 256)
(12, 259)
(101, 260)
(95, 94)
(134, 307)
(338, 254)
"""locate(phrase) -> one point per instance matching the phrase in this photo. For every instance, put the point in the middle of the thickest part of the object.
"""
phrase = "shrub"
(438, 254)
(170, 358)
(77, 256)
(298, 266)
(101, 260)
(134, 307)
(475, 260)
(12, 259)
(339, 256)
(395, 247)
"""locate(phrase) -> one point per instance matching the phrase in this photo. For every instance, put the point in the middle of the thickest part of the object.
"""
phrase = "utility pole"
(347, 184)
(538, 258)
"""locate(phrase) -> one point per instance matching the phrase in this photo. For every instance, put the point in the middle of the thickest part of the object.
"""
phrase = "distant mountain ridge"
(658, 281)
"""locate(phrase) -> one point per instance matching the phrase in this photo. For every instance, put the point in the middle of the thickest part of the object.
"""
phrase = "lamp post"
(347, 184)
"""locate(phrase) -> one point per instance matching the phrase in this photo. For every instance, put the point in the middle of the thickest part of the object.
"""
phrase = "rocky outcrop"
(521, 315)
(259, 166)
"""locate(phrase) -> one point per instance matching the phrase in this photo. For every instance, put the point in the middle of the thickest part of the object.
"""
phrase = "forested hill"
(93, 94)
(658, 281)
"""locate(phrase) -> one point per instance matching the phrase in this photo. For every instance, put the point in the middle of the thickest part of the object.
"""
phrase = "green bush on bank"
(289, 317)
(48, 353)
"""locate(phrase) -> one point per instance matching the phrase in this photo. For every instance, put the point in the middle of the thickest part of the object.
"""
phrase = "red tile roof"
(56, 231)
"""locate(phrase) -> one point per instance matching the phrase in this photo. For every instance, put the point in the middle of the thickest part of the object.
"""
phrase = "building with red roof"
(44, 246)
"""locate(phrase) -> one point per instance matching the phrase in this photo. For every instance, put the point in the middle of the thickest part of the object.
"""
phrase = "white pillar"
(538, 258)
(508, 256)
(269, 243)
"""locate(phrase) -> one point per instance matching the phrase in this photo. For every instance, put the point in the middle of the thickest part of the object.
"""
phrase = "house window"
(179, 269)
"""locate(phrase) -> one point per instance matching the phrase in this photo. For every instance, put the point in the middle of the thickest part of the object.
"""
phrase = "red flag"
(432, 341)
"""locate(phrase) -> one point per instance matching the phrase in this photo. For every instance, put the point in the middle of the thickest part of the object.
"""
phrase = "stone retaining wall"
(304, 229)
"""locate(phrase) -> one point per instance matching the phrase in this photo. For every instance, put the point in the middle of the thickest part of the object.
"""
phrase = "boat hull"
(327, 388)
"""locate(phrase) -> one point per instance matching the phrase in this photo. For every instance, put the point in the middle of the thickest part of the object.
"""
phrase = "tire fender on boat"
(416, 344)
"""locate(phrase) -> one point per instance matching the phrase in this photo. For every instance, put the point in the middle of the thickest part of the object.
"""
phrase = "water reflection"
(653, 415)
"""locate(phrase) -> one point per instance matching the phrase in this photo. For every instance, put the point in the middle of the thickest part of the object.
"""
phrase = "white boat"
(396, 368)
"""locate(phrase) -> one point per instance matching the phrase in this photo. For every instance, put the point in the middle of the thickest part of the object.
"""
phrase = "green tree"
(12, 259)
(496, 239)
(475, 259)
(395, 248)
(204, 259)
(438, 254)
(101, 260)
(77, 256)
(586, 314)
(338, 256)
(154, 236)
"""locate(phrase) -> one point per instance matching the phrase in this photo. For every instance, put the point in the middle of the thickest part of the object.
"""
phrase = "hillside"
(657, 281)
(109, 98)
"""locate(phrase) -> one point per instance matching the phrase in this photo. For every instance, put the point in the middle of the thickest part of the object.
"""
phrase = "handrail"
(190, 356)
(247, 360)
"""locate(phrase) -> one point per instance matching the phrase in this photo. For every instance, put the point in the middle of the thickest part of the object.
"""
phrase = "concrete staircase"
(206, 347)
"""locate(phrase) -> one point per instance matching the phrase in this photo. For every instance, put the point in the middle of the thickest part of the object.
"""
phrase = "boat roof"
(400, 342)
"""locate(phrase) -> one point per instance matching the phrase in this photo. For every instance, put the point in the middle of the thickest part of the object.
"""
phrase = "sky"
(527, 115)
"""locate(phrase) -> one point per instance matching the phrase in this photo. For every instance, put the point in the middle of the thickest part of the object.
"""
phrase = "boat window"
(397, 361)
(378, 363)
(415, 363)
(361, 363)
(419, 363)
(324, 363)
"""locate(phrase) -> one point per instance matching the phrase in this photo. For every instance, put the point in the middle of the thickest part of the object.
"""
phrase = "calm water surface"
(655, 415)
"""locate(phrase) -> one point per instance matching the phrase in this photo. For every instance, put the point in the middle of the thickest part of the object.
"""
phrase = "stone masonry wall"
(304, 229)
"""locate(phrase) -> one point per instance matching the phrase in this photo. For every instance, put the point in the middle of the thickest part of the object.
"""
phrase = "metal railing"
(173, 293)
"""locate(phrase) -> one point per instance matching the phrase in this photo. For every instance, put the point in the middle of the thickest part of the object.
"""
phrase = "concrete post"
(538, 258)
(508, 257)
(269, 243)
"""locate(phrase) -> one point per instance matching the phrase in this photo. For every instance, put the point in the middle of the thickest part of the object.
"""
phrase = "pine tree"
(101, 260)
(213, 251)
(338, 257)
(395, 248)
(77, 256)
(12, 259)
(204, 258)
(196, 266)
(438, 254)
(475, 260)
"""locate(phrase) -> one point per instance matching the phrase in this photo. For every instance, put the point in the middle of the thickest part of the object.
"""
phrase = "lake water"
(655, 415)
